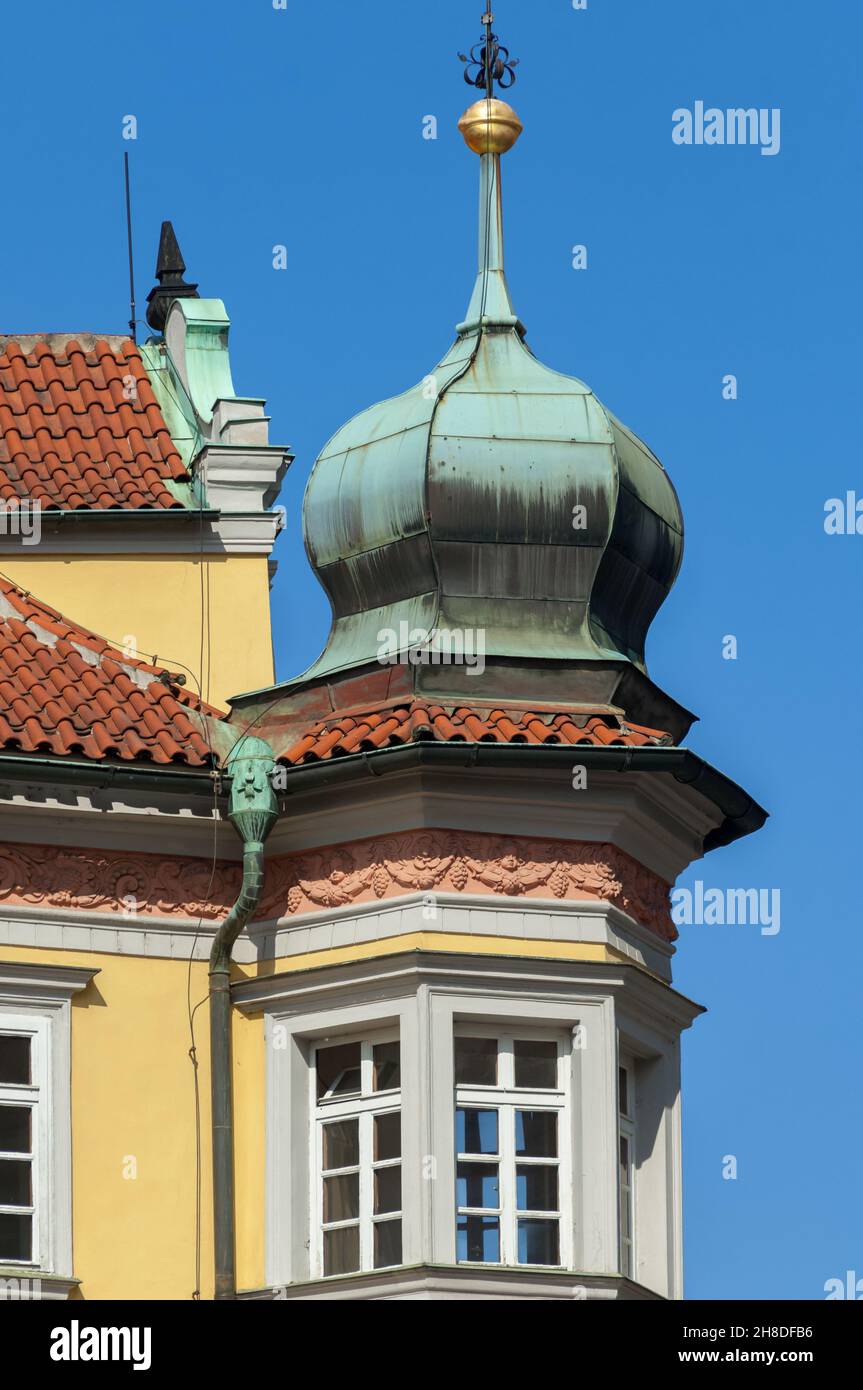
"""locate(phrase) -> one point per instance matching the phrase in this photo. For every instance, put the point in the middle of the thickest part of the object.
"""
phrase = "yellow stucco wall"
(133, 1100)
(157, 601)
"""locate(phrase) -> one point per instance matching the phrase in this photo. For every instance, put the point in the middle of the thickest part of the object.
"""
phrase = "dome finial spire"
(490, 127)
(489, 62)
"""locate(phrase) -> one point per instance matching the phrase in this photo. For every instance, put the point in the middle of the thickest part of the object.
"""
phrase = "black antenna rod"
(132, 320)
(488, 21)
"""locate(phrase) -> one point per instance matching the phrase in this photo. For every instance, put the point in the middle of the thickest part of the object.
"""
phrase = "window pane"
(477, 1185)
(387, 1066)
(14, 1182)
(476, 1061)
(536, 1065)
(342, 1197)
(388, 1189)
(623, 1089)
(625, 1222)
(536, 1134)
(538, 1243)
(536, 1187)
(16, 1237)
(388, 1244)
(338, 1070)
(14, 1060)
(388, 1136)
(478, 1239)
(341, 1144)
(342, 1250)
(625, 1185)
(15, 1129)
(476, 1131)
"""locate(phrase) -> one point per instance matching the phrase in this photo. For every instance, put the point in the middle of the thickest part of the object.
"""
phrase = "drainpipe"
(253, 811)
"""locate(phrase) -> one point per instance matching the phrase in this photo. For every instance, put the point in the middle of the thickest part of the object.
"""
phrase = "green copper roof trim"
(174, 403)
(208, 367)
(490, 305)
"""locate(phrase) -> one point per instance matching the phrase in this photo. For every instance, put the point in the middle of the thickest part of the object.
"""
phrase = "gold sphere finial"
(490, 126)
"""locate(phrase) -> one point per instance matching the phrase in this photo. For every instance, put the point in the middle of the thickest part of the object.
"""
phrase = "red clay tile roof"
(418, 721)
(65, 691)
(70, 437)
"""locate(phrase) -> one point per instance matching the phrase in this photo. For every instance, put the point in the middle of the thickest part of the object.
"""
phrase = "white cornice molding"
(37, 981)
(232, 532)
(112, 934)
(591, 922)
(650, 1000)
(29, 1285)
(659, 822)
(150, 935)
(444, 1282)
(102, 820)
(241, 476)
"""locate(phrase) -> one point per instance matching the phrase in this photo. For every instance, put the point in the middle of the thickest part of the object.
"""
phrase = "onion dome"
(496, 496)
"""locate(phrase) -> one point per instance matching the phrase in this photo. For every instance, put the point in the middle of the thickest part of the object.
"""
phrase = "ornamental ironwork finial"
(489, 62)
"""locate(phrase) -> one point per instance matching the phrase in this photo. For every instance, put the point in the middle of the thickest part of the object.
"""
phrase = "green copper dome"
(496, 495)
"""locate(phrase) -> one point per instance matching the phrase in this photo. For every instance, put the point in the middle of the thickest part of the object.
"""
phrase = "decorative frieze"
(335, 876)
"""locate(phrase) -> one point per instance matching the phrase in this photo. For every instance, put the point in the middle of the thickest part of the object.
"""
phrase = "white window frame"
(37, 998)
(626, 1193)
(35, 1096)
(364, 1107)
(507, 1098)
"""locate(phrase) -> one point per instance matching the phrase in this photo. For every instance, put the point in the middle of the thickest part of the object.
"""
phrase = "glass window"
(509, 1184)
(14, 1060)
(536, 1133)
(387, 1066)
(388, 1135)
(19, 1103)
(341, 1144)
(626, 1175)
(478, 1239)
(623, 1091)
(476, 1061)
(342, 1250)
(535, 1064)
(359, 1172)
(476, 1131)
(338, 1070)
(16, 1237)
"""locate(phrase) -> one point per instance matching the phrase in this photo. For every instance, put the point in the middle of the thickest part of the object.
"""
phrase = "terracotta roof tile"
(64, 690)
(415, 720)
(69, 435)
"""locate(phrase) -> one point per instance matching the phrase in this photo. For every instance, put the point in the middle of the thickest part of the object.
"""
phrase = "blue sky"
(304, 127)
